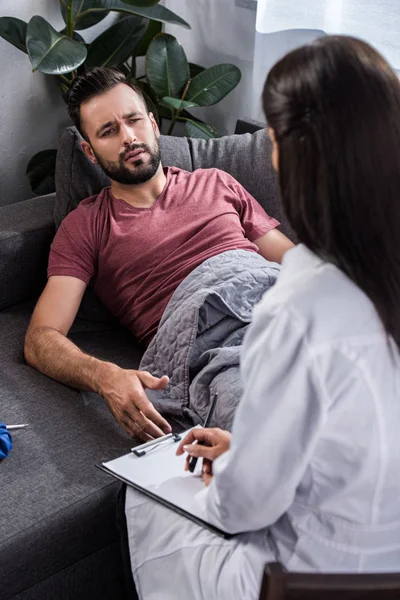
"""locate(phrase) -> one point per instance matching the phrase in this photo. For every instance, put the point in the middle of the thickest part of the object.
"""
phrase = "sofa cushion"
(246, 157)
(56, 507)
(26, 231)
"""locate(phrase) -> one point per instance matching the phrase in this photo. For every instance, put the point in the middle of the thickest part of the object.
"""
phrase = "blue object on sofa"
(5, 441)
(58, 536)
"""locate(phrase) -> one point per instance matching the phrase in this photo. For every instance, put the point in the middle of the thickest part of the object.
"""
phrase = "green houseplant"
(173, 87)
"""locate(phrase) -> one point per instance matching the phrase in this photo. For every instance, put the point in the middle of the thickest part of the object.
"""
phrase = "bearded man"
(135, 242)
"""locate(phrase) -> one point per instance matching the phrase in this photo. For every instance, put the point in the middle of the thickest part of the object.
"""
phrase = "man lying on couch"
(137, 241)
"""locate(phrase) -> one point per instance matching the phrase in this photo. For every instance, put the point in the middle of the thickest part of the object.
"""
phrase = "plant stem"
(185, 90)
(175, 116)
(65, 79)
(70, 19)
(63, 4)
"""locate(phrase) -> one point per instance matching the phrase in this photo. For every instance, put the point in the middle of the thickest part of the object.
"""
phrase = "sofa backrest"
(247, 157)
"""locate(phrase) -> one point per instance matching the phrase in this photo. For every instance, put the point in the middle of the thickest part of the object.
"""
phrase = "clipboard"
(160, 475)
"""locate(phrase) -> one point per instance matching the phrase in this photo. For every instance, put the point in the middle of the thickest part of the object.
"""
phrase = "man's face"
(123, 136)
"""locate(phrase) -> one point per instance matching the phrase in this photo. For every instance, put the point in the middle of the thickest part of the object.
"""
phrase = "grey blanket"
(200, 334)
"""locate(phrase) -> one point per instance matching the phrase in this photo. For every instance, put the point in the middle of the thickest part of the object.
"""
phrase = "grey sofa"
(58, 535)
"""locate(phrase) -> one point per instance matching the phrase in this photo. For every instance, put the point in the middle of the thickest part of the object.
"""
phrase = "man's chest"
(143, 241)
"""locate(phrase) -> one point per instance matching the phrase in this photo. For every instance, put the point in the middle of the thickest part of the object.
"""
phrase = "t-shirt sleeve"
(72, 252)
(253, 217)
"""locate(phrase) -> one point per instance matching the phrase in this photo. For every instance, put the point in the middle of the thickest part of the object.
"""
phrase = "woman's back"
(345, 513)
(311, 474)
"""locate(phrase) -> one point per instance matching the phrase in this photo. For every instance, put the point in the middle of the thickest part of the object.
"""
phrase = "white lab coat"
(313, 470)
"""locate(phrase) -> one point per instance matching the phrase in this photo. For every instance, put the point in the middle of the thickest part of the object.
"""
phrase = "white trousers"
(172, 558)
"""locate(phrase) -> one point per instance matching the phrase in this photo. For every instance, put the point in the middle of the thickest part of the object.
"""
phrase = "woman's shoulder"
(324, 302)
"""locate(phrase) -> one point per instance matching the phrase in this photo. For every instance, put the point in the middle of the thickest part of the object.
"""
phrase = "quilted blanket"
(200, 335)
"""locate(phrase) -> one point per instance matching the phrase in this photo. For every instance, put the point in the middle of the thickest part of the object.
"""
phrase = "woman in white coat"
(310, 474)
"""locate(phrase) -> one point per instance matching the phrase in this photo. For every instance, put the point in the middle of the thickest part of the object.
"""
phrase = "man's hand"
(124, 393)
(210, 444)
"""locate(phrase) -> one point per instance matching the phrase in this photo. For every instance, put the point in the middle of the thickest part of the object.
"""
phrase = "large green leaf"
(41, 172)
(141, 2)
(51, 52)
(14, 31)
(156, 13)
(153, 28)
(196, 129)
(167, 68)
(117, 43)
(162, 14)
(88, 19)
(211, 85)
(176, 104)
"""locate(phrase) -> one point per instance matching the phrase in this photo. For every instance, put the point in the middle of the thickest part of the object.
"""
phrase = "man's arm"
(49, 350)
(273, 245)
(254, 220)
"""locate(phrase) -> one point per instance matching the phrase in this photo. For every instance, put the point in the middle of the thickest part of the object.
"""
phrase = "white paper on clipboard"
(160, 474)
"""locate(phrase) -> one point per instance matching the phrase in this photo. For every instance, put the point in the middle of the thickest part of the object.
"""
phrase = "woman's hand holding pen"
(207, 444)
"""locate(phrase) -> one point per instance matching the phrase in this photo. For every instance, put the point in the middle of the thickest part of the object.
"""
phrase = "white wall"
(32, 113)
(223, 31)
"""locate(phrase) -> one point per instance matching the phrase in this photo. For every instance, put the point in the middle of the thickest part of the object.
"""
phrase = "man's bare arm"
(273, 245)
(46, 345)
(49, 350)
(54, 355)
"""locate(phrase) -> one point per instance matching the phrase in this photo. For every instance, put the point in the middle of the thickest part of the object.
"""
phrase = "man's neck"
(142, 195)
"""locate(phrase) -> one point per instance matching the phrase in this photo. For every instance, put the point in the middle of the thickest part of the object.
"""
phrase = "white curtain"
(376, 21)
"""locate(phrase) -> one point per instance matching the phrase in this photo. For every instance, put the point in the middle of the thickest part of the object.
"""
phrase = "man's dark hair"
(334, 107)
(95, 82)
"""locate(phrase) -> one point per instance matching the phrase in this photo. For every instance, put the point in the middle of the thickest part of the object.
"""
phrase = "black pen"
(193, 459)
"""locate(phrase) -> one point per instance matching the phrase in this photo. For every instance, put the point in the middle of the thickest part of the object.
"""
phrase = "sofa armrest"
(26, 232)
(248, 126)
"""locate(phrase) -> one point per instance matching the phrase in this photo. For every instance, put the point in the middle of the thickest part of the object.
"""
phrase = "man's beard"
(143, 171)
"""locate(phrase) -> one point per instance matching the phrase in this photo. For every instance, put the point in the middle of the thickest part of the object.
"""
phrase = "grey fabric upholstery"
(97, 575)
(57, 527)
(58, 537)
(247, 157)
(26, 231)
(57, 508)
(248, 126)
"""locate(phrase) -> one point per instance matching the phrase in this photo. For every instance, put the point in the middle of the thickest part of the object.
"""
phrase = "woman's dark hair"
(334, 107)
(95, 82)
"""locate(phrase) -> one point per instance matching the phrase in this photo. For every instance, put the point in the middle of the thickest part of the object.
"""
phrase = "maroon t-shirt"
(137, 257)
